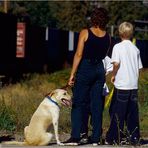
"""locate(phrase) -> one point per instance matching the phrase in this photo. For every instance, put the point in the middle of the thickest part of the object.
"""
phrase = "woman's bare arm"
(78, 55)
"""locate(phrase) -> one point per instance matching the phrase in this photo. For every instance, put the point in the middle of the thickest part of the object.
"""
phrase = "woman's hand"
(71, 81)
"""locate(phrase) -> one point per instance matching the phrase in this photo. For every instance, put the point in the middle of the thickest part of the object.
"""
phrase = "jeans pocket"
(122, 96)
(134, 95)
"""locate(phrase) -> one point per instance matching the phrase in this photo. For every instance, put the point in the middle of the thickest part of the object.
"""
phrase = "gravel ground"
(64, 137)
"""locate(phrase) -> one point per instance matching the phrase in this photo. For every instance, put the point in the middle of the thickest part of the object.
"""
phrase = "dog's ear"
(50, 93)
(47, 94)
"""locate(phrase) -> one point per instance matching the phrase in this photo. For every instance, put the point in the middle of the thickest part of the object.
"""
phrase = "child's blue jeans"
(124, 110)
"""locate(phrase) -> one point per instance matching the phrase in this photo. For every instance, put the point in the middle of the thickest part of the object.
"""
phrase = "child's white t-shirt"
(128, 56)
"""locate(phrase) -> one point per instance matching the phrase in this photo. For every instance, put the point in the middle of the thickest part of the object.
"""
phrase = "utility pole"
(5, 6)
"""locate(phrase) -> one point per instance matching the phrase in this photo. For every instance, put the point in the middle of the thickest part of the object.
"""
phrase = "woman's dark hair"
(99, 18)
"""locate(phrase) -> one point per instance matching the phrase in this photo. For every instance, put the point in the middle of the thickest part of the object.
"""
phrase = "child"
(124, 106)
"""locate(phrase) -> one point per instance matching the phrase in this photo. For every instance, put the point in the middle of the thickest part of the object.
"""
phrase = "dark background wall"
(39, 52)
(57, 49)
(35, 53)
(7, 44)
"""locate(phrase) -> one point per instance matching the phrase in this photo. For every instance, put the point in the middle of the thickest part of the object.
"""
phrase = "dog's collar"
(53, 101)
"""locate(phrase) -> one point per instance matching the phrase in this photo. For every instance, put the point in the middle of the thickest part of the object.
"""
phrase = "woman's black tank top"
(96, 47)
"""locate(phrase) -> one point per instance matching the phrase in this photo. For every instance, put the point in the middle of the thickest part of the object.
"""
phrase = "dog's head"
(61, 96)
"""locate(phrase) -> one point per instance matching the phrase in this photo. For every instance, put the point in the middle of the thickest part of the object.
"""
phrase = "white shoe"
(96, 144)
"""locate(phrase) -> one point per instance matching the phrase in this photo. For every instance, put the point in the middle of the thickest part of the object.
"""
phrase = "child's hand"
(113, 79)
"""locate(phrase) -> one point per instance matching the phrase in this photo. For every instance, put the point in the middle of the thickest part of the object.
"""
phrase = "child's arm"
(115, 69)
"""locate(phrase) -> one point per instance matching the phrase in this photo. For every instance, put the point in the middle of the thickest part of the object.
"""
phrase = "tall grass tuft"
(7, 121)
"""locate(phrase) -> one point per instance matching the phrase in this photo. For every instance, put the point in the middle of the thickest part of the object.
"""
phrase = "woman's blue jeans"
(87, 93)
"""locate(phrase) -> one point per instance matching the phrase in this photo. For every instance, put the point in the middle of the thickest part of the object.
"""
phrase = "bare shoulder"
(84, 34)
(84, 31)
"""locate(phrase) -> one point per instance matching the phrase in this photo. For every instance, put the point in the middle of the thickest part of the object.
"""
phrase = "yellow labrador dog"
(46, 114)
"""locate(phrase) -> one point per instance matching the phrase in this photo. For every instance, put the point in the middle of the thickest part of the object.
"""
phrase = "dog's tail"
(23, 143)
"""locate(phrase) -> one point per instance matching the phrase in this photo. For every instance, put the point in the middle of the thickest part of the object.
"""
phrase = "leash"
(53, 101)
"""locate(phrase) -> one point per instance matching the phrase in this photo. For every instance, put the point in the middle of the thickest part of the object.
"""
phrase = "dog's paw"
(60, 143)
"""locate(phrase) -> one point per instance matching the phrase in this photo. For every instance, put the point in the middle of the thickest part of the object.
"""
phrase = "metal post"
(5, 6)
(112, 30)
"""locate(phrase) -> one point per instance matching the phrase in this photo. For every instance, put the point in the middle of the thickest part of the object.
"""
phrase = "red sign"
(20, 50)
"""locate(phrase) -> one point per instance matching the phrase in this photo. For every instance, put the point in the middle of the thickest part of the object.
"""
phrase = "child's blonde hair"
(125, 30)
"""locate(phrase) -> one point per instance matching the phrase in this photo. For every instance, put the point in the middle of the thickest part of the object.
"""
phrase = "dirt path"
(64, 137)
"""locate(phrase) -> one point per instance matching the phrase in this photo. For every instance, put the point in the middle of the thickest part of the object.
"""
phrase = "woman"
(88, 76)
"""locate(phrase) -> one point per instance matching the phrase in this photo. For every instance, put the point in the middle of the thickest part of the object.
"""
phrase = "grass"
(19, 101)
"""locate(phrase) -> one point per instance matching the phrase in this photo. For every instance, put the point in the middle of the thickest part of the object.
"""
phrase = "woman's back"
(96, 45)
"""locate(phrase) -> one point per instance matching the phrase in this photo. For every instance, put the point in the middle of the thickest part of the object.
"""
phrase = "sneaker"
(143, 141)
(72, 141)
(90, 141)
(95, 144)
(135, 141)
(123, 141)
(108, 142)
(84, 138)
